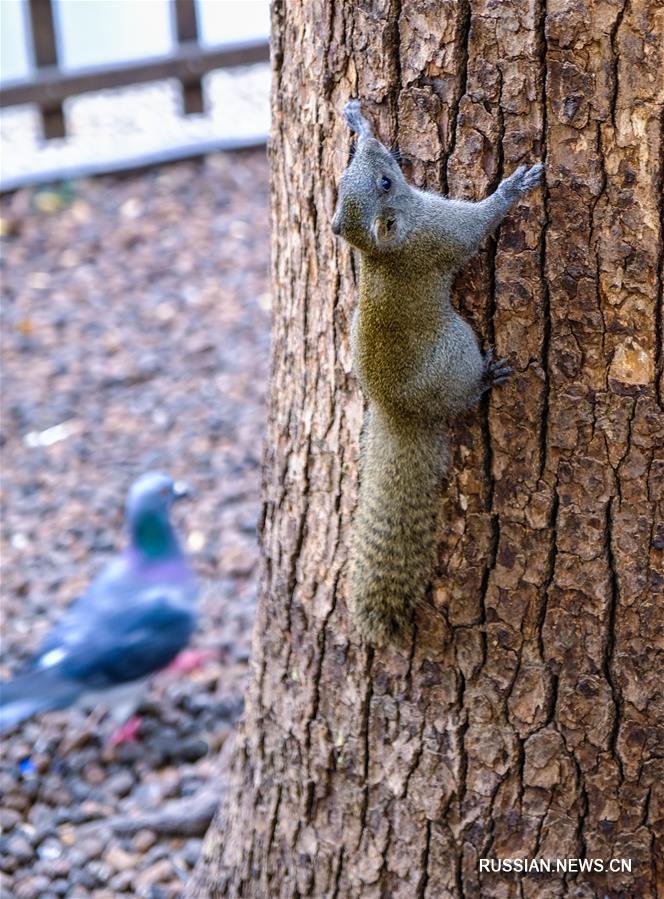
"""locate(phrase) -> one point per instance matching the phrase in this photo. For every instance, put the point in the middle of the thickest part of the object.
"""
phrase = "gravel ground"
(135, 335)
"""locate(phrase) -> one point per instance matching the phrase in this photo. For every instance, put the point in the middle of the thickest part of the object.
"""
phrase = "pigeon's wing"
(121, 630)
(133, 645)
(113, 588)
(97, 648)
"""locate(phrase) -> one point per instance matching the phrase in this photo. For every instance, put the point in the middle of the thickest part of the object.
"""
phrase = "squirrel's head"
(372, 207)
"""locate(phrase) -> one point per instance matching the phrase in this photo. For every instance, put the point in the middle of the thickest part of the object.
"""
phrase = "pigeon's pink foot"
(128, 733)
(191, 659)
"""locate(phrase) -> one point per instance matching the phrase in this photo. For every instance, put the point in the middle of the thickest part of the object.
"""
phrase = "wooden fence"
(50, 86)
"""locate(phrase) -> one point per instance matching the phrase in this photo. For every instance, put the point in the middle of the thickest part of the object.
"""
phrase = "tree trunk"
(523, 720)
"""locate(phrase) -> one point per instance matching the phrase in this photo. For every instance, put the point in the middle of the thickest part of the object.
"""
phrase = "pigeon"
(133, 620)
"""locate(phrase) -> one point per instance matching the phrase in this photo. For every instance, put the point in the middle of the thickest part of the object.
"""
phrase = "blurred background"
(135, 335)
(104, 74)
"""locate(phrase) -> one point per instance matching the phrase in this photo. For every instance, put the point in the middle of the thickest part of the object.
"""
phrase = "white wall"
(220, 21)
(91, 32)
(14, 59)
(101, 31)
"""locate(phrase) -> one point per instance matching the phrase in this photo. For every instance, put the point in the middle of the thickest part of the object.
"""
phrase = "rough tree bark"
(524, 719)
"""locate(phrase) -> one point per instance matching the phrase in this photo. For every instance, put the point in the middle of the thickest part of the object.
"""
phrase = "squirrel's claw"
(501, 374)
(522, 180)
(532, 177)
(496, 371)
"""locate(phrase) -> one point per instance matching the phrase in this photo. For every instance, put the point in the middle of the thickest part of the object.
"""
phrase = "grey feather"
(133, 620)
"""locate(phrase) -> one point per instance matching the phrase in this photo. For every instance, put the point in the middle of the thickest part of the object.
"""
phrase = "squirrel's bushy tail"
(394, 532)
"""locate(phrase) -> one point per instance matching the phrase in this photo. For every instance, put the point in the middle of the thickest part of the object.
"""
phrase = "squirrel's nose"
(336, 225)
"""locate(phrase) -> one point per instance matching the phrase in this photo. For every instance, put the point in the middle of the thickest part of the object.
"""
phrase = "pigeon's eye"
(385, 183)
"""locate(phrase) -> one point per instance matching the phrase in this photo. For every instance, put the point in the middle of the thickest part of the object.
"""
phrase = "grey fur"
(418, 362)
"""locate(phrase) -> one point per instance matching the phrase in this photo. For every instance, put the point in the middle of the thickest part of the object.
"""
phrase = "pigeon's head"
(148, 512)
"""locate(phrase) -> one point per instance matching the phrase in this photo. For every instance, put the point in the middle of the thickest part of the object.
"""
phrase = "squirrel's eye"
(385, 183)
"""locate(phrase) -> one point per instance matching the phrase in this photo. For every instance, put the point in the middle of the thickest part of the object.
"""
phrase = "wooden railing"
(50, 85)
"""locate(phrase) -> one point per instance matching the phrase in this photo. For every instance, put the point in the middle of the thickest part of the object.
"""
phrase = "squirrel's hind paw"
(496, 371)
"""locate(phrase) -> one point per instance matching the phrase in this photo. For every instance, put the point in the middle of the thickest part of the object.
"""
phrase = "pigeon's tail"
(39, 690)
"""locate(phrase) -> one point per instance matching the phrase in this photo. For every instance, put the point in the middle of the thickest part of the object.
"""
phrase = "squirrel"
(418, 363)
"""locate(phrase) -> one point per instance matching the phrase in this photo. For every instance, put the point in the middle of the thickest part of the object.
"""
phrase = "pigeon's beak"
(181, 490)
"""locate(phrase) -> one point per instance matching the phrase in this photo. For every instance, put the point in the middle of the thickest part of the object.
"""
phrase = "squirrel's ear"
(356, 121)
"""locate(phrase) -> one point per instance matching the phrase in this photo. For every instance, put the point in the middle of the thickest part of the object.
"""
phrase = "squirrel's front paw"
(522, 180)
(496, 371)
